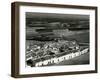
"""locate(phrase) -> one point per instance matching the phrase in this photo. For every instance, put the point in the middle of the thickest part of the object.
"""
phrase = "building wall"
(61, 58)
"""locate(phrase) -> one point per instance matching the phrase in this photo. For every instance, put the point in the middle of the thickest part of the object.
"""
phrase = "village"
(52, 52)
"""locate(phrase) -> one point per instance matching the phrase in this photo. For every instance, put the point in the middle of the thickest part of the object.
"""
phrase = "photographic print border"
(15, 33)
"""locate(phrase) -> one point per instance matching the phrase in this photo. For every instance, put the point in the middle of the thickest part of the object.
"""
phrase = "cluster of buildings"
(49, 50)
